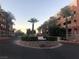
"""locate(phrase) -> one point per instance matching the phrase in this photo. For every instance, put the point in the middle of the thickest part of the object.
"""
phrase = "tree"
(52, 21)
(48, 26)
(33, 21)
(19, 33)
(66, 12)
(43, 28)
(39, 29)
(29, 32)
(8, 17)
(52, 26)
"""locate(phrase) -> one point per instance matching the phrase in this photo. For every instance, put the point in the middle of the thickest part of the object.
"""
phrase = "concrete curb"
(71, 42)
(19, 42)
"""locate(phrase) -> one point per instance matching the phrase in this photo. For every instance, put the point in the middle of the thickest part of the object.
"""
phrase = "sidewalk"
(74, 41)
(4, 40)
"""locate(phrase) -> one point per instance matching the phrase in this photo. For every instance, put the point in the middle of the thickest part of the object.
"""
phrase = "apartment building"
(6, 25)
(72, 22)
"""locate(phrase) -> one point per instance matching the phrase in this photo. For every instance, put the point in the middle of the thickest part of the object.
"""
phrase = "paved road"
(12, 51)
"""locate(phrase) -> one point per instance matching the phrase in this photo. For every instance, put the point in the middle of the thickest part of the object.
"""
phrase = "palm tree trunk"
(66, 29)
(32, 27)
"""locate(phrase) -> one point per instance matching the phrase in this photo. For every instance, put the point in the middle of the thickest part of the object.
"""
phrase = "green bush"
(32, 38)
(51, 38)
(29, 38)
(24, 38)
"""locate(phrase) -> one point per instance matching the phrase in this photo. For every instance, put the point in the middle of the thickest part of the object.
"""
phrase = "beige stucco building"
(6, 25)
(73, 23)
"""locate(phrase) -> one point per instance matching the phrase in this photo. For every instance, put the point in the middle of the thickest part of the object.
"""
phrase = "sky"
(24, 10)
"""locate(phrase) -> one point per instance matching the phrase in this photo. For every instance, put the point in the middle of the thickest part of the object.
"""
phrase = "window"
(59, 24)
(64, 23)
(74, 20)
(3, 20)
(69, 22)
(75, 28)
(59, 18)
(0, 14)
(64, 16)
(74, 12)
(69, 30)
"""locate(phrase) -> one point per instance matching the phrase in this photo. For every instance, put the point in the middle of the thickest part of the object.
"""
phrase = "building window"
(4, 20)
(0, 14)
(74, 12)
(64, 23)
(75, 28)
(59, 24)
(63, 16)
(69, 30)
(69, 22)
(74, 20)
(59, 18)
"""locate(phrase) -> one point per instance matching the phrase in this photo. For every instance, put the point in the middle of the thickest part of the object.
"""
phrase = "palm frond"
(33, 20)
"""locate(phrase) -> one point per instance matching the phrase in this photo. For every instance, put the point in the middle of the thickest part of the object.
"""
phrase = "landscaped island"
(39, 42)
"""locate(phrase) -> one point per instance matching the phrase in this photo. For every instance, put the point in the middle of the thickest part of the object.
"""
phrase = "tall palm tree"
(9, 20)
(66, 12)
(33, 21)
(9, 17)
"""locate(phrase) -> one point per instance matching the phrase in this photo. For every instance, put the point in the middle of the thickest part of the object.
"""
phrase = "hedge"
(29, 38)
(51, 38)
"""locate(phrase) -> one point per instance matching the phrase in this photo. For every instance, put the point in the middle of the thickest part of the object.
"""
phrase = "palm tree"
(9, 21)
(9, 17)
(33, 21)
(39, 28)
(66, 12)
(47, 24)
(52, 21)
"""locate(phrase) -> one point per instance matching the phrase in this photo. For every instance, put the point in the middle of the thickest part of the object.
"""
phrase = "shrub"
(29, 38)
(24, 38)
(51, 38)
(32, 38)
